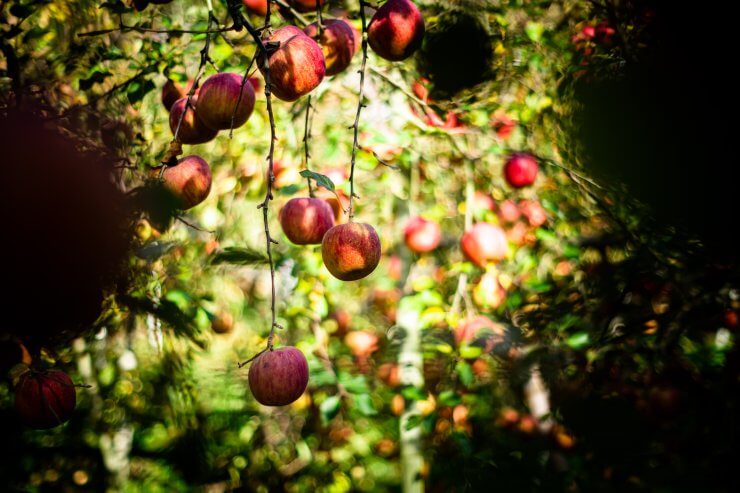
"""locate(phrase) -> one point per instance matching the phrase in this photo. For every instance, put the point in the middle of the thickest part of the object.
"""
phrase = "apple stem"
(306, 137)
(360, 105)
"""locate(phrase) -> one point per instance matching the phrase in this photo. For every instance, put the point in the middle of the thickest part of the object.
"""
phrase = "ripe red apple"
(258, 7)
(520, 170)
(45, 399)
(256, 84)
(305, 5)
(306, 220)
(482, 202)
(171, 92)
(189, 181)
(351, 251)
(422, 235)
(503, 125)
(192, 129)
(508, 211)
(337, 42)
(297, 67)
(278, 377)
(534, 212)
(390, 374)
(218, 97)
(484, 242)
(361, 342)
(396, 30)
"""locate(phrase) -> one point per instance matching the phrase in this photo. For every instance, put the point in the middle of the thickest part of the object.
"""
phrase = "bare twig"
(360, 105)
(193, 226)
(124, 28)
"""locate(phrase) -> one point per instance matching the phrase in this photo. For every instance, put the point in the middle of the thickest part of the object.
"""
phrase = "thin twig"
(306, 137)
(360, 105)
(193, 226)
(319, 20)
(124, 28)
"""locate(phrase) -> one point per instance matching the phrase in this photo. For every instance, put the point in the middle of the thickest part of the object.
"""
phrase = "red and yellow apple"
(351, 251)
(279, 376)
(306, 220)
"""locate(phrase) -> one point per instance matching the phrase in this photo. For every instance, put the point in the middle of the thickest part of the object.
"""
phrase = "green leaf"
(465, 372)
(470, 352)
(354, 384)
(238, 256)
(364, 404)
(534, 30)
(321, 180)
(577, 341)
(137, 90)
(448, 398)
(413, 394)
(329, 408)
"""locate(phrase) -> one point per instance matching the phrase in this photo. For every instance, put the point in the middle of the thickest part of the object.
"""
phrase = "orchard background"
(597, 352)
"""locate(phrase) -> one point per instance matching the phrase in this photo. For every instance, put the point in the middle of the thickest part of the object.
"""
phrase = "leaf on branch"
(321, 180)
(330, 407)
(138, 89)
(238, 256)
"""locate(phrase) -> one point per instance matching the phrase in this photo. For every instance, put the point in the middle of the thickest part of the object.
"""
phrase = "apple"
(192, 129)
(534, 212)
(483, 243)
(420, 88)
(508, 211)
(503, 125)
(337, 42)
(338, 205)
(297, 67)
(489, 293)
(257, 7)
(422, 235)
(305, 5)
(218, 97)
(389, 374)
(520, 170)
(279, 376)
(482, 202)
(171, 92)
(223, 323)
(343, 320)
(351, 251)
(45, 399)
(603, 33)
(189, 181)
(306, 220)
(361, 342)
(256, 83)
(396, 30)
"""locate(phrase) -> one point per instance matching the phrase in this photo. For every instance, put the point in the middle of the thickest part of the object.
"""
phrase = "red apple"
(192, 129)
(489, 293)
(45, 399)
(482, 202)
(520, 170)
(503, 125)
(396, 30)
(421, 235)
(256, 84)
(508, 211)
(420, 89)
(389, 374)
(361, 342)
(306, 220)
(189, 181)
(603, 33)
(305, 5)
(223, 323)
(171, 92)
(218, 97)
(278, 377)
(297, 67)
(534, 212)
(257, 7)
(337, 42)
(484, 243)
(351, 251)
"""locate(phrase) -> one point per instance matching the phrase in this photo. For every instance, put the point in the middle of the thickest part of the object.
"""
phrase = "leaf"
(465, 372)
(329, 408)
(117, 7)
(578, 340)
(137, 90)
(154, 250)
(355, 384)
(321, 180)
(364, 404)
(448, 398)
(238, 256)
(95, 78)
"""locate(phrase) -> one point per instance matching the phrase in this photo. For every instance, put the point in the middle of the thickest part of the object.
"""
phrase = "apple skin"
(304, 6)
(171, 92)
(484, 242)
(306, 220)
(396, 30)
(192, 128)
(361, 342)
(422, 235)
(534, 212)
(337, 43)
(189, 181)
(45, 399)
(508, 211)
(279, 376)
(258, 7)
(520, 170)
(217, 98)
(351, 251)
(297, 67)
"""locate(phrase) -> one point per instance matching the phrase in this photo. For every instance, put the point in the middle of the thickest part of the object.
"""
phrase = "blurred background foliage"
(623, 325)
